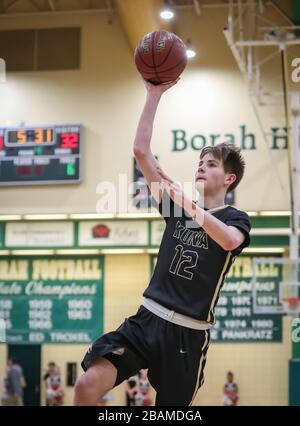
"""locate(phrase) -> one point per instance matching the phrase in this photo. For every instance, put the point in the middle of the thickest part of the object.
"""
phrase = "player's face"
(210, 175)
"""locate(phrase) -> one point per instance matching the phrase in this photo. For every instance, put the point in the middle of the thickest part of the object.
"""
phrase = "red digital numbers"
(1, 143)
(24, 170)
(69, 140)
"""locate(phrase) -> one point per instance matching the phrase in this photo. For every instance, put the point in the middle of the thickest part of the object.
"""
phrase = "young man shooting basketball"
(169, 334)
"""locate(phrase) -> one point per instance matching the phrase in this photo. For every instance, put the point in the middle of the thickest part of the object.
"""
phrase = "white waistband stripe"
(174, 317)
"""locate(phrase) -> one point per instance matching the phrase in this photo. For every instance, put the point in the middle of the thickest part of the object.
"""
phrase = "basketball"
(160, 57)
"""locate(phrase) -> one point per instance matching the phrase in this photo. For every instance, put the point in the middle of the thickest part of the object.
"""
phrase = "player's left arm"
(227, 236)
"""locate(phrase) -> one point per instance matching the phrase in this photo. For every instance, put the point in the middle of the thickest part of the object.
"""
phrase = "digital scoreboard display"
(40, 155)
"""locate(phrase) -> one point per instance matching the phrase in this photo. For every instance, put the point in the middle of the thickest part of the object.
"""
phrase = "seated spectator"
(230, 391)
(55, 393)
(131, 388)
(145, 387)
(52, 371)
(138, 390)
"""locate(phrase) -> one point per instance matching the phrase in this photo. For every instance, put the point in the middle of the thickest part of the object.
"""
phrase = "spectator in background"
(52, 372)
(55, 393)
(14, 384)
(131, 388)
(138, 389)
(230, 391)
(145, 387)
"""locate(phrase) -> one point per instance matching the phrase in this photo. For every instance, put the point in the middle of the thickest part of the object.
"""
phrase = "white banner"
(157, 230)
(113, 233)
(39, 234)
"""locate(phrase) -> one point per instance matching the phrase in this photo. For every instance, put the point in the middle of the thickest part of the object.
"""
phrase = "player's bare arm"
(228, 237)
(142, 150)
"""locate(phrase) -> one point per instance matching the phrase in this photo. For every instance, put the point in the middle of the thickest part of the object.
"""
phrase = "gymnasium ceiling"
(138, 17)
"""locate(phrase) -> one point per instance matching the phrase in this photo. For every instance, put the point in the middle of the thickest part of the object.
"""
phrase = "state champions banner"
(51, 300)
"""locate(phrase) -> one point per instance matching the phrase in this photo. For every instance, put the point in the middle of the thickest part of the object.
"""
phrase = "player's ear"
(230, 178)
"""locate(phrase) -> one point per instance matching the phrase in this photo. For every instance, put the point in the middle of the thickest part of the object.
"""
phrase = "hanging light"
(167, 12)
(190, 52)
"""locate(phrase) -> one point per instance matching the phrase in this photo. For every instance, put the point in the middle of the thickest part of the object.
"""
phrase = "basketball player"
(169, 335)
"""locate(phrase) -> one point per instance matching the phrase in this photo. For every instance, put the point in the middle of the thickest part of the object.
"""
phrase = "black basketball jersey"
(191, 266)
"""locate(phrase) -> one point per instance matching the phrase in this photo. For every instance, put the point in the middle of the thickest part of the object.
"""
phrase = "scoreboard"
(40, 155)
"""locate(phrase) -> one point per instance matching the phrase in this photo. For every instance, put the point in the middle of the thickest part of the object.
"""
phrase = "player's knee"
(85, 385)
(80, 386)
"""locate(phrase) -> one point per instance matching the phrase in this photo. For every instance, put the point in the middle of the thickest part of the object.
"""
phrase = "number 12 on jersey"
(183, 262)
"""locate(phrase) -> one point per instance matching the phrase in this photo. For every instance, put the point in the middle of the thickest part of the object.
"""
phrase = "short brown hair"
(232, 160)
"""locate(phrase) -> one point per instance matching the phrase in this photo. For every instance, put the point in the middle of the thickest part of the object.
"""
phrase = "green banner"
(235, 319)
(52, 300)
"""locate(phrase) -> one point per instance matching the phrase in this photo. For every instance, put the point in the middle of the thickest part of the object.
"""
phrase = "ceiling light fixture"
(190, 52)
(167, 12)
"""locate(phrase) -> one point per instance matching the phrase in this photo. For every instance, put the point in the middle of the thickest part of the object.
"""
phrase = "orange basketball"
(160, 57)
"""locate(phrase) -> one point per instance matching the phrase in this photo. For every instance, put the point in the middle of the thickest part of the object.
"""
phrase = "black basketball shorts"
(174, 355)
